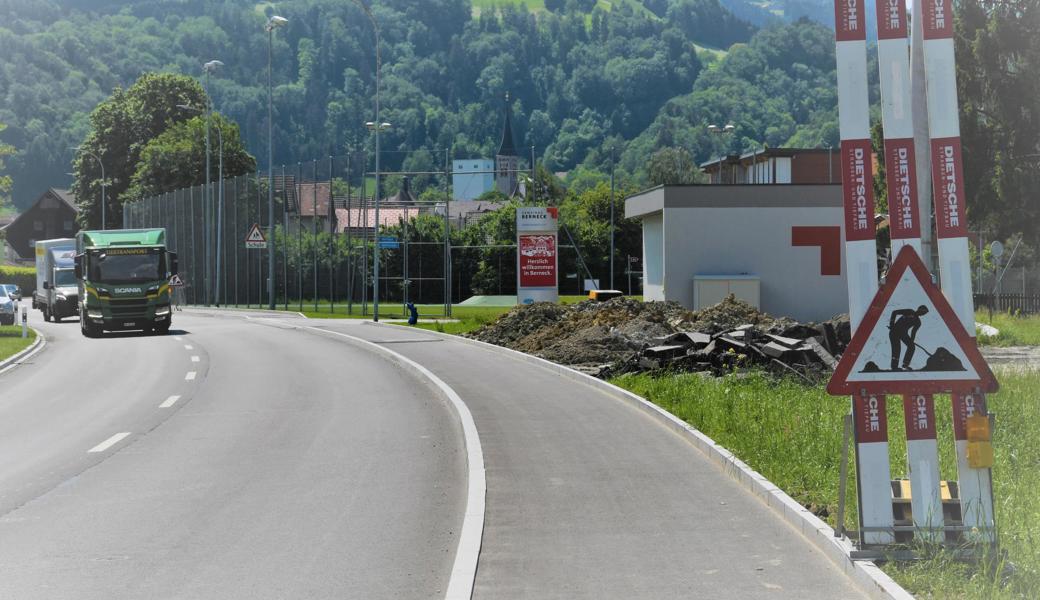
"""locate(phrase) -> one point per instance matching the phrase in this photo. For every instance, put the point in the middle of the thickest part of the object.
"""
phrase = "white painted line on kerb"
(188, 347)
(112, 441)
(189, 376)
(170, 402)
(194, 359)
(464, 571)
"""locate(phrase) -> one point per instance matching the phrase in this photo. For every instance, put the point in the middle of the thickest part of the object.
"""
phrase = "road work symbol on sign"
(255, 238)
(910, 341)
(176, 280)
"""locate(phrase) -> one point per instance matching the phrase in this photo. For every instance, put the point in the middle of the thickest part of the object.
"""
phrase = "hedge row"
(23, 277)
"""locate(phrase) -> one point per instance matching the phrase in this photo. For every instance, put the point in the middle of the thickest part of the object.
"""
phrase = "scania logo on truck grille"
(128, 290)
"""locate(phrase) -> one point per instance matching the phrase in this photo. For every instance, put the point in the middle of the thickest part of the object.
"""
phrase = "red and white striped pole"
(951, 225)
(922, 448)
(872, 470)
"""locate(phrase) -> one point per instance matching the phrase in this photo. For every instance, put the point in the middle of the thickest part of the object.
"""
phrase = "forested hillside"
(581, 78)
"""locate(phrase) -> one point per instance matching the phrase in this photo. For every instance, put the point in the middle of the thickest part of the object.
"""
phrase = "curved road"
(291, 466)
(300, 464)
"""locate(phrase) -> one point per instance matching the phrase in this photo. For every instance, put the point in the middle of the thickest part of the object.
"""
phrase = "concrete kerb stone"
(866, 574)
(36, 346)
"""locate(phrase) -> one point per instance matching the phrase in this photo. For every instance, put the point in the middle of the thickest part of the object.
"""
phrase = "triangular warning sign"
(176, 280)
(255, 234)
(910, 341)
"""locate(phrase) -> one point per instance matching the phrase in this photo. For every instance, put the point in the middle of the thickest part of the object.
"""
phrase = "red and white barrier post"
(922, 449)
(874, 478)
(952, 233)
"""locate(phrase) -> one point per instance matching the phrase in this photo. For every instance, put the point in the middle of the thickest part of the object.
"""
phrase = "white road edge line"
(189, 376)
(112, 441)
(194, 359)
(13, 361)
(464, 571)
(871, 579)
(170, 402)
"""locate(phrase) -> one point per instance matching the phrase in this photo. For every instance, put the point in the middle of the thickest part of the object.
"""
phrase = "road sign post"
(951, 220)
(872, 467)
(255, 238)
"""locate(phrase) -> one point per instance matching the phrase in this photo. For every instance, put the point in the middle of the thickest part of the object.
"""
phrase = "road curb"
(467, 553)
(866, 574)
(36, 346)
(234, 309)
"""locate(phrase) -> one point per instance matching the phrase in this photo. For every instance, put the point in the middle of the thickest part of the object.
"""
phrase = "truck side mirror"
(172, 257)
(78, 268)
(46, 285)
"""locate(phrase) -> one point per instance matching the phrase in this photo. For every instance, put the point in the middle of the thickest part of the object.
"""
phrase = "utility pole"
(612, 217)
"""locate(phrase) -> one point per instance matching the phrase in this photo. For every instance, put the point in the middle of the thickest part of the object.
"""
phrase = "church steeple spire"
(507, 148)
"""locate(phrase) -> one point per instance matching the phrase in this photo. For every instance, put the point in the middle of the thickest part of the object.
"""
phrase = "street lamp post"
(273, 23)
(209, 68)
(371, 125)
(612, 218)
(102, 165)
(375, 126)
(220, 211)
(716, 130)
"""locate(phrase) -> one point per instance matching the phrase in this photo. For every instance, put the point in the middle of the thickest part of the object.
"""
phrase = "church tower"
(506, 160)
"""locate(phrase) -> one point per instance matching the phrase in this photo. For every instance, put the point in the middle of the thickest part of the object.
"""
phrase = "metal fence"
(323, 237)
(1012, 303)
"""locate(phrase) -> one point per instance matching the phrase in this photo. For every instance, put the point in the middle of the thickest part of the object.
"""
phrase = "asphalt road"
(290, 466)
(303, 465)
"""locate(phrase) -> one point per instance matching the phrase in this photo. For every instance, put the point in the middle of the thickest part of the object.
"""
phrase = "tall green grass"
(11, 341)
(1014, 330)
(792, 434)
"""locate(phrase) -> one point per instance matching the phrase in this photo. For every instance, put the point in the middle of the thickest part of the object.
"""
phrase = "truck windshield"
(127, 265)
(64, 278)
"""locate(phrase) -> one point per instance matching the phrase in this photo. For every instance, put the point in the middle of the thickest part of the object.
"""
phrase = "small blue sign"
(389, 243)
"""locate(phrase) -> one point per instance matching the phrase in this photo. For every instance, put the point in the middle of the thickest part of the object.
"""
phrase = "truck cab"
(124, 280)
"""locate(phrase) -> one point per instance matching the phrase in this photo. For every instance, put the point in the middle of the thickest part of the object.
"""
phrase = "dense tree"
(121, 128)
(176, 158)
(998, 60)
(672, 166)
(5, 180)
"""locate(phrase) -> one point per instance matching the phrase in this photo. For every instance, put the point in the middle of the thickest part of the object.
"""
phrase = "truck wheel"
(163, 329)
(89, 329)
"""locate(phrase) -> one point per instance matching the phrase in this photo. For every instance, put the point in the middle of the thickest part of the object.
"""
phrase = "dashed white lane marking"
(112, 441)
(188, 347)
(170, 402)
(178, 338)
(194, 359)
(189, 376)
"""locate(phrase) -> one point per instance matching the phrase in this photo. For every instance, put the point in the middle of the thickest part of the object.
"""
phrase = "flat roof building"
(779, 247)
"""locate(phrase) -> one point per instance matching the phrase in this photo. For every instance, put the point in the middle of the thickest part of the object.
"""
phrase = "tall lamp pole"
(220, 210)
(273, 23)
(102, 165)
(612, 217)
(209, 68)
(375, 126)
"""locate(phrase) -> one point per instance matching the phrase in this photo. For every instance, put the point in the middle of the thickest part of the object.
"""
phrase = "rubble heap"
(624, 335)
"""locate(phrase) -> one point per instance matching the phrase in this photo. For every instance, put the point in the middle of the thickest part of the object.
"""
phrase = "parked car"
(8, 307)
(13, 290)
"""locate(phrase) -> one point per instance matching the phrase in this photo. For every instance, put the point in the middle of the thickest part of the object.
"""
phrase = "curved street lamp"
(102, 165)
(273, 23)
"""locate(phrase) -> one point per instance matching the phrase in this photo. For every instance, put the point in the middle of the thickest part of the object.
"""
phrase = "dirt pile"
(624, 335)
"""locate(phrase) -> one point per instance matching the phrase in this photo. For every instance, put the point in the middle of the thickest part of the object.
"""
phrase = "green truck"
(124, 280)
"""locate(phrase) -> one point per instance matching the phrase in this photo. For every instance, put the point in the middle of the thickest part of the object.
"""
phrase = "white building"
(472, 177)
(779, 247)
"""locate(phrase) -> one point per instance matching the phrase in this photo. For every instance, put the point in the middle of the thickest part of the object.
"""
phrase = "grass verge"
(792, 433)
(11, 341)
(1014, 330)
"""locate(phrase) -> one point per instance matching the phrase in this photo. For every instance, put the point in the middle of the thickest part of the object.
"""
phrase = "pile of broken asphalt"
(625, 336)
